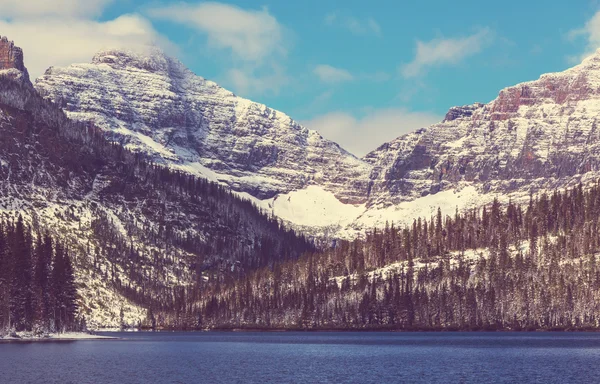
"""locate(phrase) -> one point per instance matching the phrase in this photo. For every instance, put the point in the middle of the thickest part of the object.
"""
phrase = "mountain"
(502, 267)
(154, 105)
(137, 233)
(151, 104)
(534, 136)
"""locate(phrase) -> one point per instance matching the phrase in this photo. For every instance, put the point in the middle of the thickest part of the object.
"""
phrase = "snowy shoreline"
(67, 336)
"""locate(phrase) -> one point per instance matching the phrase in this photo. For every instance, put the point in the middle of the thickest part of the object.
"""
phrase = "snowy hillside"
(140, 235)
(154, 105)
(538, 135)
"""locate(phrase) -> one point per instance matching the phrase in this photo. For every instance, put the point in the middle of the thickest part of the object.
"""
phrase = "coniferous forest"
(37, 284)
(500, 267)
(517, 267)
(193, 255)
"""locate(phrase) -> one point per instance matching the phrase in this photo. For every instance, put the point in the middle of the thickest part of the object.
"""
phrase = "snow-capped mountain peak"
(147, 58)
(534, 136)
(152, 104)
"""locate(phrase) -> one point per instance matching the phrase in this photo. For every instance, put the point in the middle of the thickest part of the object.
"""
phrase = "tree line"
(511, 266)
(154, 230)
(37, 284)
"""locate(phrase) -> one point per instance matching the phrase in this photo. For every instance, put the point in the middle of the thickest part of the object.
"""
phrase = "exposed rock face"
(11, 58)
(534, 136)
(132, 227)
(461, 112)
(154, 105)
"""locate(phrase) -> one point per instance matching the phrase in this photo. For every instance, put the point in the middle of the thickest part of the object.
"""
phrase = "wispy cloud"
(591, 33)
(246, 80)
(360, 135)
(43, 8)
(250, 35)
(62, 32)
(367, 26)
(253, 39)
(442, 51)
(328, 74)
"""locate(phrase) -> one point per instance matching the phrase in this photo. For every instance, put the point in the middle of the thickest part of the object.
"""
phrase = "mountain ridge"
(146, 235)
(138, 232)
(528, 139)
(193, 123)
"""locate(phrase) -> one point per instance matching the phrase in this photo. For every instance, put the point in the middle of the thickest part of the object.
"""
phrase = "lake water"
(327, 357)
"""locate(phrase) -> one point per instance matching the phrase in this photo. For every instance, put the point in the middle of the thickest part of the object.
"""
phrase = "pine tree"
(21, 286)
(58, 299)
(70, 292)
(42, 288)
(5, 282)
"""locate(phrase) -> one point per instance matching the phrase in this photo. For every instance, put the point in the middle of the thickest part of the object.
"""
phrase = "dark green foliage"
(64, 304)
(169, 222)
(500, 267)
(37, 284)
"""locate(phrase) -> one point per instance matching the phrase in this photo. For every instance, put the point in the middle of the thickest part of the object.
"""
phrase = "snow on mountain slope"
(314, 207)
(154, 105)
(534, 136)
(139, 234)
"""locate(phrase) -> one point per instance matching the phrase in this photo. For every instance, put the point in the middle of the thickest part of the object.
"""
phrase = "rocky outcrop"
(152, 104)
(11, 59)
(461, 112)
(534, 136)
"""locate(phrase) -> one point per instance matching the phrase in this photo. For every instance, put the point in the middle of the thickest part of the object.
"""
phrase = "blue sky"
(361, 73)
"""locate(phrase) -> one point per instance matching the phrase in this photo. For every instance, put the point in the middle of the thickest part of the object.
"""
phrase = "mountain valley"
(184, 206)
(534, 137)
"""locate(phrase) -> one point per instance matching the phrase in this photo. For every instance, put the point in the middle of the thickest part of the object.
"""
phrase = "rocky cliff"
(11, 60)
(138, 233)
(152, 104)
(534, 136)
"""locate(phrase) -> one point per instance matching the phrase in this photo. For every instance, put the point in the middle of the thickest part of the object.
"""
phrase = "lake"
(296, 357)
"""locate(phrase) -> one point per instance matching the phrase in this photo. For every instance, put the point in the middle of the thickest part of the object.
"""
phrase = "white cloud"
(322, 98)
(10, 9)
(445, 51)
(357, 26)
(254, 39)
(246, 80)
(250, 35)
(328, 74)
(50, 41)
(591, 32)
(362, 135)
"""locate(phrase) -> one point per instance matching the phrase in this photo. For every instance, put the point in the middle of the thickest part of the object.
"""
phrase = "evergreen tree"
(21, 305)
(42, 286)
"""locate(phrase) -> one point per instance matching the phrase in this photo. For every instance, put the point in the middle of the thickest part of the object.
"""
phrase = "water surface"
(296, 357)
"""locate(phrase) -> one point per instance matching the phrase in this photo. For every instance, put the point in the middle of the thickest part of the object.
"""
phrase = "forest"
(141, 230)
(37, 285)
(500, 267)
(196, 256)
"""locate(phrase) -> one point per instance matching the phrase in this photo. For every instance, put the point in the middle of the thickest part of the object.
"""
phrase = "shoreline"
(68, 336)
(370, 330)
